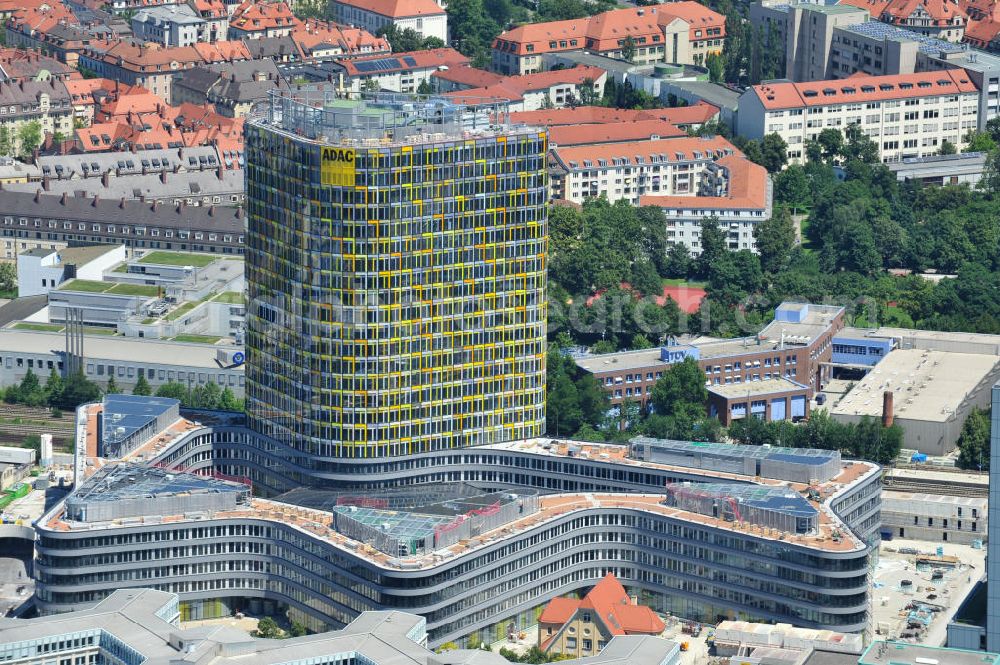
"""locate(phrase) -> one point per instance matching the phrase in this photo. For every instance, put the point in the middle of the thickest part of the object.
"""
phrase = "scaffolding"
(778, 508)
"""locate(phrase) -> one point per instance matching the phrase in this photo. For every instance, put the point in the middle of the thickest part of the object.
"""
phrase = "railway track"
(934, 487)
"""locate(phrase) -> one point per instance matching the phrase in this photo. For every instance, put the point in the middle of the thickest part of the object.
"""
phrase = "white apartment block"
(630, 170)
(173, 25)
(424, 16)
(906, 115)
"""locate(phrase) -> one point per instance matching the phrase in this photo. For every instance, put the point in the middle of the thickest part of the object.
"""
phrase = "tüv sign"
(677, 353)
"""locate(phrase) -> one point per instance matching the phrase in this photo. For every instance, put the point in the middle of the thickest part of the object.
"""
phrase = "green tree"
(8, 278)
(681, 390)
(53, 387)
(229, 402)
(112, 387)
(775, 238)
(33, 442)
(974, 441)
(716, 67)
(29, 137)
(268, 629)
(831, 143)
(774, 152)
(714, 246)
(174, 390)
(472, 29)
(6, 141)
(425, 88)
(629, 49)
(142, 387)
(678, 262)
(976, 141)
(298, 629)
(791, 187)
(30, 391)
(948, 148)
(78, 390)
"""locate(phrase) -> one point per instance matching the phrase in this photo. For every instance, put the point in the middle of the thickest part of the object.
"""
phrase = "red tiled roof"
(431, 58)
(581, 115)
(261, 15)
(669, 149)
(313, 34)
(941, 12)
(468, 76)
(559, 610)
(569, 135)
(863, 89)
(224, 51)
(610, 602)
(515, 87)
(874, 7)
(397, 8)
(747, 190)
(603, 31)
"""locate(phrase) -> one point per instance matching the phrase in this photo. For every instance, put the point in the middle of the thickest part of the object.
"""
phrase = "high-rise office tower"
(396, 275)
(993, 546)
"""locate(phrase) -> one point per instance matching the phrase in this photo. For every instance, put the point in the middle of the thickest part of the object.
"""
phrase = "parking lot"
(900, 582)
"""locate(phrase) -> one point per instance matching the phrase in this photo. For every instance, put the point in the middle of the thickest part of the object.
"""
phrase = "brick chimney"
(46, 185)
(887, 409)
(62, 199)
(163, 177)
(96, 200)
(105, 179)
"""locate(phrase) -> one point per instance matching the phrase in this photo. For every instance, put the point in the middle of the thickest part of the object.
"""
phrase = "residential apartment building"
(630, 170)
(733, 190)
(47, 103)
(552, 89)
(400, 72)
(426, 17)
(681, 32)
(232, 87)
(795, 347)
(944, 19)
(34, 220)
(18, 65)
(148, 65)
(907, 115)
(169, 25)
(258, 19)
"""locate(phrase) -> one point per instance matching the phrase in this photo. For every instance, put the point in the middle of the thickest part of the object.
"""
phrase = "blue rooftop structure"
(928, 45)
(127, 421)
(801, 465)
(770, 507)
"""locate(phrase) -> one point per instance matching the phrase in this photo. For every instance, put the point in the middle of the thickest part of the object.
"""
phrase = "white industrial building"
(934, 517)
(41, 270)
(932, 393)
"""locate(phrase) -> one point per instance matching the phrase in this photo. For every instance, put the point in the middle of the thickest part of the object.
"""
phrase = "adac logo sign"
(337, 166)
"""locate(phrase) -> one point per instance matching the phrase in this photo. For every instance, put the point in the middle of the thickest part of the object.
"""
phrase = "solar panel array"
(879, 30)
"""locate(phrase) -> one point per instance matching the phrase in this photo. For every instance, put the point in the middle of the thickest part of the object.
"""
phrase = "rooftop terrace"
(379, 119)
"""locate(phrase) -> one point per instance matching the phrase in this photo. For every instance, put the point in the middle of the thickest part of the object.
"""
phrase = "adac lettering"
(338, 155)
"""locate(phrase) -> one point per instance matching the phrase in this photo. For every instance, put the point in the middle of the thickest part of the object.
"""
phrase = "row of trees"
(579, 408)
(74, 390)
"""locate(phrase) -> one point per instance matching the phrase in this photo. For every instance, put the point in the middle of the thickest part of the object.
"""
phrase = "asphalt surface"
(21, 308)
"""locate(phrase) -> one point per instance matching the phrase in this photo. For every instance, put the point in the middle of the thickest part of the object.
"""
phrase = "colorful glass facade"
(396, 278)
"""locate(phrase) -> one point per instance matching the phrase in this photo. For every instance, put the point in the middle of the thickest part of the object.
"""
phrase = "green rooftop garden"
(116, 288)
(178, 259)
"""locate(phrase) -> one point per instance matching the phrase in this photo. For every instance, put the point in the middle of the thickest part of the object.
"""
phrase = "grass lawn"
(122, 267)
(47, 327)
(180, 311)
(178, 259)
(683, 282)
(93, 330)
(134, 290)
(230, 298)
(199, 339)
(88, 285)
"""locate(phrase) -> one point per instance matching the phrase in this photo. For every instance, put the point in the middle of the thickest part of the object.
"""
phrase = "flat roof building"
(143, 627)
(126, 358)
(793, 350)
(933, 392)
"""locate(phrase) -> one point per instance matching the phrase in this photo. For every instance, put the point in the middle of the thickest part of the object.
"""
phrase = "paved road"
(21, 308)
